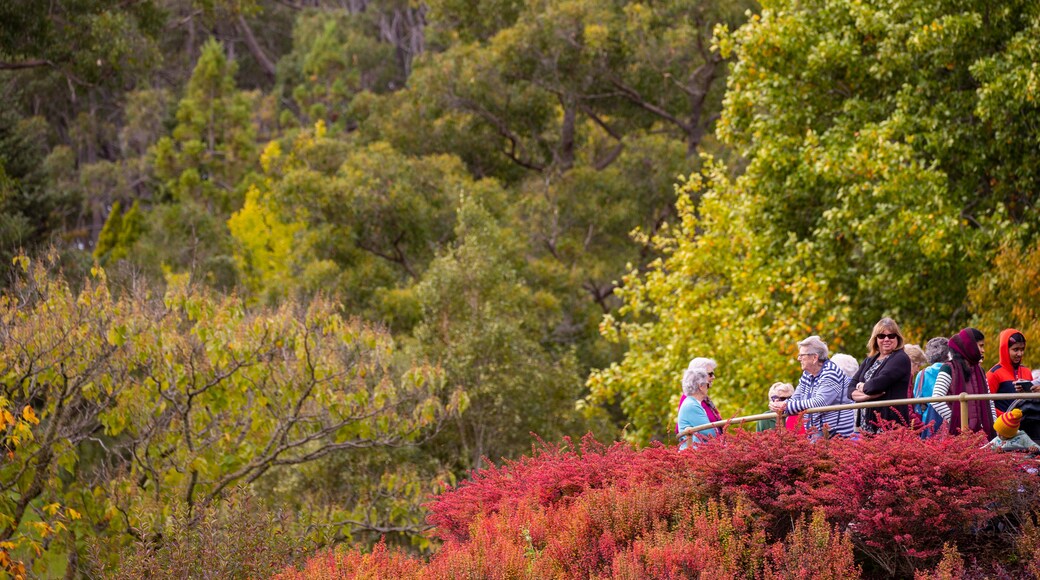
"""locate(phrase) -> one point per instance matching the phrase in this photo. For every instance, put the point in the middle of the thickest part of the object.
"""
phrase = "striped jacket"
(829, 387)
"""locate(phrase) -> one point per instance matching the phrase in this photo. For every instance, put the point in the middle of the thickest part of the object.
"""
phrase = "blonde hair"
(888, 326)
(916, 355)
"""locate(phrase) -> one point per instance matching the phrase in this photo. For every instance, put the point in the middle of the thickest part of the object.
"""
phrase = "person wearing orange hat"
(1009, 438)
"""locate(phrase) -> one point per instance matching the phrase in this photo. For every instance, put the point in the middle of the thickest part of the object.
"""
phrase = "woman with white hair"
(691, 412)
(822, 384)
(708, 366)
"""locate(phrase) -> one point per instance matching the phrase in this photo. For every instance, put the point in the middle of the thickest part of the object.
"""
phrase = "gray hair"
(778, 387)
(937, 349)
(814, 345)
(847, 363)
(692, 379)
(702, 363)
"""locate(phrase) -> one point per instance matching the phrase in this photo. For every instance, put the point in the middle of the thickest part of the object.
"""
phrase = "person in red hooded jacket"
(1002, 376)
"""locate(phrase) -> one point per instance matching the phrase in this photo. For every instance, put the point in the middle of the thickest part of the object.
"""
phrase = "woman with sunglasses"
(691, 412)
(822, 384)
(884, 375)
(708, 366)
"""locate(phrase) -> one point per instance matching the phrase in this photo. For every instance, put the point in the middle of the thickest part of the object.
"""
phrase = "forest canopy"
(342, 252)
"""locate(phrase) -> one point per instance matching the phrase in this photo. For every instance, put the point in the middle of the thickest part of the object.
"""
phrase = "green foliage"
(487, 329)
(30, 211)
(335, 56)
(214, 140)
(84, 42)
(110, 233)
(716, 292)
(119, 405)
(868, 192)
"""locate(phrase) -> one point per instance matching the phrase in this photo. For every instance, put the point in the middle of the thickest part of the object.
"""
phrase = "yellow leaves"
(596, 36)
(270, 154)
(22, 262)
(6, 418)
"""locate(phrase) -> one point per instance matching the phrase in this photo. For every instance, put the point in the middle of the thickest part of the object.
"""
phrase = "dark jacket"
(892, 380)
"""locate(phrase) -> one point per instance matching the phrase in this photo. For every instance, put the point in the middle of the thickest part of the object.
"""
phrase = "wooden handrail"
(962, 398)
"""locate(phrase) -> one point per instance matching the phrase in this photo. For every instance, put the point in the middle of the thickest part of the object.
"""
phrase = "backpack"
(924, 385)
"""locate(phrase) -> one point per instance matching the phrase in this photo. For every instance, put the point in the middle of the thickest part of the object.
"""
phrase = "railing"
(962, 398)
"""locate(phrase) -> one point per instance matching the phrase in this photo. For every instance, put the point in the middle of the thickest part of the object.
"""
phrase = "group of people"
(892, 370)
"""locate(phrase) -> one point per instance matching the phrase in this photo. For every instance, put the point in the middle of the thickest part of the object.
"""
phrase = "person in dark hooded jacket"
(1002, 376)
(962, 374)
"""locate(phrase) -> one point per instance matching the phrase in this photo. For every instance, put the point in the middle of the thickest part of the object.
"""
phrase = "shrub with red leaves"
(553, 474)
(904, 497)
(762, 505)
(352, 563)
(775, 470)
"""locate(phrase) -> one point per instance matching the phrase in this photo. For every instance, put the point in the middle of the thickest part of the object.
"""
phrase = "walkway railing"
(963, 399)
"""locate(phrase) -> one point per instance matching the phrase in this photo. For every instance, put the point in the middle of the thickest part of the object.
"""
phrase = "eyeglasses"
(805, 354)
(711, 374)
(777, 399)
(884, 336)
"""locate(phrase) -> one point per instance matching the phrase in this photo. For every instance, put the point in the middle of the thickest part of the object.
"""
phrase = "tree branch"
(36, 63)
(261, 57)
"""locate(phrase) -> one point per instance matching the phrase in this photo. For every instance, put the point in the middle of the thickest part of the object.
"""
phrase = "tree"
(487, 329)
(868, 191)
(127, 402)
(335, 56)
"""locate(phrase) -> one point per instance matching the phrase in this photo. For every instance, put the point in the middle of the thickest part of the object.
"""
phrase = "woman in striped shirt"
(822, 384)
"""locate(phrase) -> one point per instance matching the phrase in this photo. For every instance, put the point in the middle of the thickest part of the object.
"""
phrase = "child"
(1009, 438)
(1002, 378)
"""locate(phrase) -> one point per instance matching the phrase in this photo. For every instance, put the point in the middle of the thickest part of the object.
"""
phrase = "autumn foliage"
(762, 505)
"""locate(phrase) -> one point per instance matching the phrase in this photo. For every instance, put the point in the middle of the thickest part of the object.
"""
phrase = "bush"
(237, 538)
(552, 474)
(761, 505)
(904, 498)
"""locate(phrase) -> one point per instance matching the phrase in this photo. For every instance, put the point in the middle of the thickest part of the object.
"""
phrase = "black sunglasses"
(777, 399)
(880, 336)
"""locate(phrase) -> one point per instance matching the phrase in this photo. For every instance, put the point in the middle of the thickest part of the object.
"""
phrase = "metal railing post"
(964, 411)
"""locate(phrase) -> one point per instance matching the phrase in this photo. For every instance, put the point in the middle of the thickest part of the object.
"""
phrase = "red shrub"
(337, 564)
(904, 497)
(765, 505)
(552, 474)
(775, 470)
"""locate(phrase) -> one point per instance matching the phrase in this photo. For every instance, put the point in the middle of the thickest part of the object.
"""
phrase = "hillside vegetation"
(327, 257)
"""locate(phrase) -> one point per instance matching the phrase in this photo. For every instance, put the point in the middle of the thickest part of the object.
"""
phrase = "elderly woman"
(691, 412)
(707, 365)
(847, 363)
(884, 375)
(937, 352)
(822, 384)
(780, 392)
